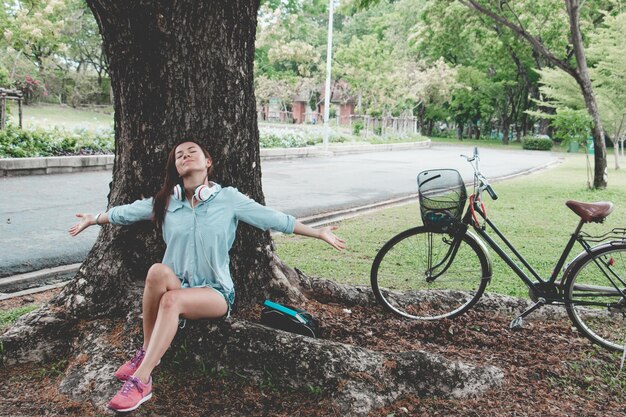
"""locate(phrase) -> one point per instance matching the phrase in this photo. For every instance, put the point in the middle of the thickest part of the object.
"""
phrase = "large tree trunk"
(181, 70)
(178, 70)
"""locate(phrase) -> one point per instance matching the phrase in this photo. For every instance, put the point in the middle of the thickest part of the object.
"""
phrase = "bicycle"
(441, 269)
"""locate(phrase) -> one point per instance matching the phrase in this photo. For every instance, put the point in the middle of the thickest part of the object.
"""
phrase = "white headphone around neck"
(202, 193)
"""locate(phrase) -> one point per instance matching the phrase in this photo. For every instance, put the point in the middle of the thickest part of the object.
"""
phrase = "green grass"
(530, 212)
(9, 317)
(50, 115)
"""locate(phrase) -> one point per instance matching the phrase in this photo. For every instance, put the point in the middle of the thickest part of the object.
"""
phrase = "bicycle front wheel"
(594, 290)
(426, 275)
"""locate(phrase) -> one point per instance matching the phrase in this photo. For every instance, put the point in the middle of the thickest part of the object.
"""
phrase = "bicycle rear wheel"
(426, 275)
(594, 292)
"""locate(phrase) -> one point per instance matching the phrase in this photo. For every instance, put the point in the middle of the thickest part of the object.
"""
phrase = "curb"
(35, 278)
(13, 167)
(31, 291)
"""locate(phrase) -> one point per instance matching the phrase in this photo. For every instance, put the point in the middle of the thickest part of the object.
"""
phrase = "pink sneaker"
(131, 366)
(132, 395)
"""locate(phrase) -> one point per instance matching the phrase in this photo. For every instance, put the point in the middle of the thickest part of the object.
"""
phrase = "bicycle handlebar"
(483, 183)
(492, 193)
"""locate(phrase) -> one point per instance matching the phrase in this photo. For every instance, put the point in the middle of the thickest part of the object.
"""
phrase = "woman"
(198, 219)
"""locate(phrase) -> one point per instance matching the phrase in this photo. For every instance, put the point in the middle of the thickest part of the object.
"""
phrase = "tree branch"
(535, 43)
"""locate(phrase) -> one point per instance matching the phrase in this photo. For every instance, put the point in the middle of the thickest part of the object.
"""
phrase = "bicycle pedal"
(517, 323)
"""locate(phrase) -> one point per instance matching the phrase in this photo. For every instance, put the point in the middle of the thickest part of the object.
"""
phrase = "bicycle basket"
(442, 197)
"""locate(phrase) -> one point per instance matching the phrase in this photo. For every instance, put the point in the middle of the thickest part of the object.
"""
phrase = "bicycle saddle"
(591, 212)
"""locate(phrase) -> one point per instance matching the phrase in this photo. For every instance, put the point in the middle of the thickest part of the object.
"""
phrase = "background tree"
(364, 63)
(608, 77)
(84, 43)
(56, 43)
(422, 88)
(463, 38)
(289, 48)
(503, 14)
(608, 72)
(34, 28)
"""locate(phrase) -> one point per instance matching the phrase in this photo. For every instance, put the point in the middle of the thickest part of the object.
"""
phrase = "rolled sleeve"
(262, 217)
(128, 214)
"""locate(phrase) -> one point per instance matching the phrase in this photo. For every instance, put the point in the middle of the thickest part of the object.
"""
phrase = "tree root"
(38, 336)
(357, 379)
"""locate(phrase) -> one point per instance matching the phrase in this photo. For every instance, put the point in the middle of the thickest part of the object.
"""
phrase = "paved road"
(37, 211)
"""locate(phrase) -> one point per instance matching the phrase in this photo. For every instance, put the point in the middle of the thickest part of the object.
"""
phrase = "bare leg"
(159, 280)
(190, 303)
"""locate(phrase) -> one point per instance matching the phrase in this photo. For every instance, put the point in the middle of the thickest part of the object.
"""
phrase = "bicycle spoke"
(595, 292)
(415, 276)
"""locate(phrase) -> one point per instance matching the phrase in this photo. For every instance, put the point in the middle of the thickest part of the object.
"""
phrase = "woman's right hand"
(86, 220)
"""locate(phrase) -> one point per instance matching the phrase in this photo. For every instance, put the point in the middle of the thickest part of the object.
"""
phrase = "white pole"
(328, 61)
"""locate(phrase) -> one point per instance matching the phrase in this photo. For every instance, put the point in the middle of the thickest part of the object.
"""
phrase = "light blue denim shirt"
(198, 240)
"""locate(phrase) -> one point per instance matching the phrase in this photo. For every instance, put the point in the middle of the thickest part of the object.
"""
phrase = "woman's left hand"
(327, 235)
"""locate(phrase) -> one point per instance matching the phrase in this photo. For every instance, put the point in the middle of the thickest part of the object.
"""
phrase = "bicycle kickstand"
(518, 322)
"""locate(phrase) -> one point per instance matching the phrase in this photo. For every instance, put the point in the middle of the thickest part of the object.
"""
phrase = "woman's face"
(190, 159)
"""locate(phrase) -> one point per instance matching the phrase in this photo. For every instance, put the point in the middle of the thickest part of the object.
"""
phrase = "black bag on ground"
(289, 319)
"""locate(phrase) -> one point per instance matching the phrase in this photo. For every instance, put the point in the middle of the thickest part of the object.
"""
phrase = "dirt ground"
(549, 371)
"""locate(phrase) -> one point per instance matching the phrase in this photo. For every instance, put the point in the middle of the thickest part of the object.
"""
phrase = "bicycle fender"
(485, 250)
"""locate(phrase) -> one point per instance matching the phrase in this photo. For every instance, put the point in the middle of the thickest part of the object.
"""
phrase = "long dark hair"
(162, 197)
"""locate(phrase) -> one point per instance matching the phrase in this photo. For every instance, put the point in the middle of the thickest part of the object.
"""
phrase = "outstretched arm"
(87, 220)
(266, 218)
(324, 233)
(123, 215)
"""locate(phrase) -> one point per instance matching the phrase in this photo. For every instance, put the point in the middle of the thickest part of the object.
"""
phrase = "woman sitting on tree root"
(198, 219)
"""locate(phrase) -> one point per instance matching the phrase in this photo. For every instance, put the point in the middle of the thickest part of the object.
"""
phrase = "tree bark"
(178, 71)
(505, 131)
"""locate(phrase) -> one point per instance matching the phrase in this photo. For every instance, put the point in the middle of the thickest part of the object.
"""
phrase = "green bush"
(571, 125)
(80, 89)
(284, 141)
(378, 130)
(21, 143)
(537, 144)
(357, 127)
(295, 138)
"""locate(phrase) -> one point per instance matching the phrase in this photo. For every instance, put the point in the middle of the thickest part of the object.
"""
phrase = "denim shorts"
(228, 297)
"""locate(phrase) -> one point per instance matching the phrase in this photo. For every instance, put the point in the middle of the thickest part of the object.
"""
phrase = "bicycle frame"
(539, 285)
(547, 290)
